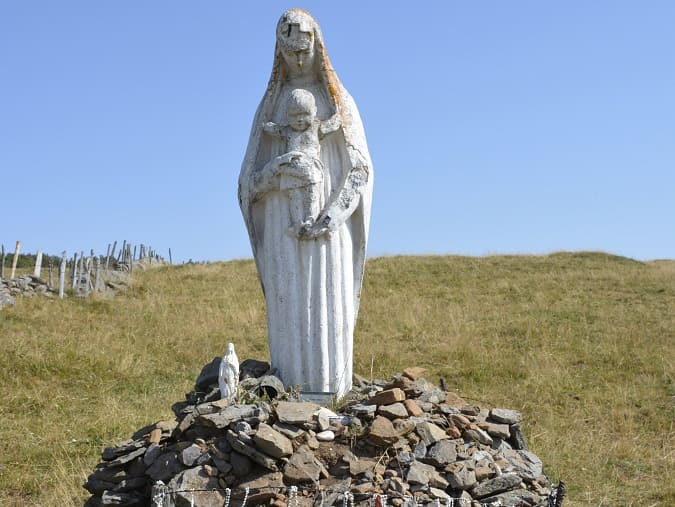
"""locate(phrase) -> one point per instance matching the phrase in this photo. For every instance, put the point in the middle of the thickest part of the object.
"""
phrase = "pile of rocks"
(406, 438)
(25, 285)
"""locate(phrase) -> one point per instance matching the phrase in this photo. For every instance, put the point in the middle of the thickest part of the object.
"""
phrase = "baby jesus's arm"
(273, 129)
(330, 125)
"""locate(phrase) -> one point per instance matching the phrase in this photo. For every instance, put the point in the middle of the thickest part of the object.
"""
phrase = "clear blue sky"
(494, 127)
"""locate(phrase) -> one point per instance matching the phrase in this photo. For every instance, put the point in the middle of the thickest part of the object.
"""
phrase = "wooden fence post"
(50, 263)
(112, 255)
(74, 270)
(170, 260)
(123, 252)
(81, 266)
(98, 275)
(38, 264)
(87, 270)
(2, 266)
(62, 275)
(16, 259)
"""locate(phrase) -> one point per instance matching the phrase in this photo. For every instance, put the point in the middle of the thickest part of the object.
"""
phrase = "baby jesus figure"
(301, 169)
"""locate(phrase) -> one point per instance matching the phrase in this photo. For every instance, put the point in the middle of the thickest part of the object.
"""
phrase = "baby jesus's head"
(300, 109)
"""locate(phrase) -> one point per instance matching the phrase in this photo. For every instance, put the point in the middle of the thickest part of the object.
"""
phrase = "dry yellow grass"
(582, 343)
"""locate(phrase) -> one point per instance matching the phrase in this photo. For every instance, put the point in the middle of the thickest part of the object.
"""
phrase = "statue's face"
(296, 41)
(300, 118)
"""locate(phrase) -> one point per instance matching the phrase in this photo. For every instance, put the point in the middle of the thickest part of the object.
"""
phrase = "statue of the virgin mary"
(311, 276)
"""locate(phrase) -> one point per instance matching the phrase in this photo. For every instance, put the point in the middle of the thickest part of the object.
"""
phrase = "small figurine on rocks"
(228, 376)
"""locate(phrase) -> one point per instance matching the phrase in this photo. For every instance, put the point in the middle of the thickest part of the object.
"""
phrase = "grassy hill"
(582, 343)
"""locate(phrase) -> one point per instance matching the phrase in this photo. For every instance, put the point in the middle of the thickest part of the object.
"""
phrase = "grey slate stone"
(504, 415)
(270, 441)
(302, 467)
(165, 467)
(196, 479)
(296, 412)
(504, 482)
(251, 452)
(520, 497)
(441, 454)
(220, 420)
(462, 478)
(190, 455)
(524, 463)
(241, 465)
(421, 473)
(430, 433)
(208, 375)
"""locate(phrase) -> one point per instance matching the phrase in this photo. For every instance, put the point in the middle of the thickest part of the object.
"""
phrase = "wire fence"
(164, 496)
(83, 274)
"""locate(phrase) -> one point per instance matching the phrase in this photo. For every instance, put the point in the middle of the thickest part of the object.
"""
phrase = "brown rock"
(221, 403)
(393, 411)
(472, 410)
(310, 439)
(302, 467)
(413, 408)
(382, 432)
(453, 432)
(155, 436)
(430, 433)
(364, 488)
(403, 426)
(271, 442)
(361, 466)
(483, 473)
(387, 397)
(459, 420)
(415, 372)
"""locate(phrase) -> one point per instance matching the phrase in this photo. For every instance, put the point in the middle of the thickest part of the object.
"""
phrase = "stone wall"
(26, 286)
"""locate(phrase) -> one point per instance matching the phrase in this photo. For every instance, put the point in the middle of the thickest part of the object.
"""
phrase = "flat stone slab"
(499, 484)
(300, 412)
(387, 397)
(393, 411)
(430, 433)
(232, 414)
(251, 452)
(271, 442)
(506, 416)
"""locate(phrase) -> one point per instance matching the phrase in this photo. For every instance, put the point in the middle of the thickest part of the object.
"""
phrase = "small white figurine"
(228, 375)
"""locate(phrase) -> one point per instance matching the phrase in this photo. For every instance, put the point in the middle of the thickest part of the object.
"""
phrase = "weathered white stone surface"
(311, 275)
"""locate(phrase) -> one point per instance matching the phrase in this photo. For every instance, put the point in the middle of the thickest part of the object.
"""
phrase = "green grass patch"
(583, 343)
